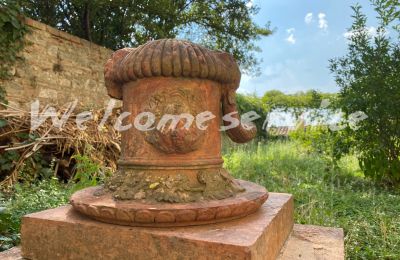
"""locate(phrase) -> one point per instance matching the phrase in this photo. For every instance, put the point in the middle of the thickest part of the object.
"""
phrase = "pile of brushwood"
(28, 155)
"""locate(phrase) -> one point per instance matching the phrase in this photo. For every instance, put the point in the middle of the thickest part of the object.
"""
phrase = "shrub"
(28, 198)
(332, 145)
(368, 76)
(32, 196)
(247, 103)
(88, 173)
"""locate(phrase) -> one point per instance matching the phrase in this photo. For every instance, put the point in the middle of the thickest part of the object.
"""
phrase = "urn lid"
(169, 58)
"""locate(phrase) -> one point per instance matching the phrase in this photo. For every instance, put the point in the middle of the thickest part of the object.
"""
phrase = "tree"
(295, 103)
(247, 103)
(368, 76)
(218, 24)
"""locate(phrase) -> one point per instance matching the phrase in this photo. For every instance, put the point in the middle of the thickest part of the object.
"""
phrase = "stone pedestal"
(62, 233)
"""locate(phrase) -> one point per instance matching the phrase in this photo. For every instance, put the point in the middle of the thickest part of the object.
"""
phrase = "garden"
(343, 174)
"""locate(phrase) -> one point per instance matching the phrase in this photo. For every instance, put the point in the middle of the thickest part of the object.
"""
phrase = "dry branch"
(102, 145)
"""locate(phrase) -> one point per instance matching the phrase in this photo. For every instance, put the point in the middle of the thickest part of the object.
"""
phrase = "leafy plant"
(88, 173)
(368, 76)
(41, 193)
(7, 160)
(25, 199)
(247, 103)
(331, 145)
(37, 168)
(12, 32)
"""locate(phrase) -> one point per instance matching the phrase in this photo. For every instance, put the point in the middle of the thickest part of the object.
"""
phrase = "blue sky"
(296, 56)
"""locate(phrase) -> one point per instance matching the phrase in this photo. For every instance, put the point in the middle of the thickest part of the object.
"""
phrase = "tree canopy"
(218, 24)
(296, 103)
(368, 76)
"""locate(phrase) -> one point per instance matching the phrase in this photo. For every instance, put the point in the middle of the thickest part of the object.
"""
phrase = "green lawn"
(370, 215)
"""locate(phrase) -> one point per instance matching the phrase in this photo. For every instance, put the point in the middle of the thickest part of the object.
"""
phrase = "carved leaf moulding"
(184, 214)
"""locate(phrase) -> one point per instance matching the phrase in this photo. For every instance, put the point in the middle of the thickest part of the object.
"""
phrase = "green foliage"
(331, 145)
(277, 100)
(225, 25)
(295, 103)
(37, 195)
(12, 31)
(368, 76)
(37, 168)
(87, 173)
(7, 160)
(247, 103)
(327, 195)
(28, 198)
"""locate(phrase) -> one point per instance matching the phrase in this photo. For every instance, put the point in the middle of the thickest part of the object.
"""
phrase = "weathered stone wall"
(58, 68)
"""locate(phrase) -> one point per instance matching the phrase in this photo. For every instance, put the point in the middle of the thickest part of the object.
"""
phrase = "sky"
(307, 33)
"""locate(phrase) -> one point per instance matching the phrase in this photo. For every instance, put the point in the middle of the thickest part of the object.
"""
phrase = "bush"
(368, 76)
(247, 103)
(28, 198)
(88, 173)
(33, 196)
(331, 145)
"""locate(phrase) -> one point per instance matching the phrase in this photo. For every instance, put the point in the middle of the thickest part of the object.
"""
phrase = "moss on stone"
(130, 184)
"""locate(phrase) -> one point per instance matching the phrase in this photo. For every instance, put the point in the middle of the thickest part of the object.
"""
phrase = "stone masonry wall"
(58, 68)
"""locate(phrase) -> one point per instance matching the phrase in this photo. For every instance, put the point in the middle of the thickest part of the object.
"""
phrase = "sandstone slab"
(11, 254)
(305, 242)
(314, 243)
(62, 233)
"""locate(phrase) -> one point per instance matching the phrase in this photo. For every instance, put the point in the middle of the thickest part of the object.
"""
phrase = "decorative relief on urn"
(175, 113)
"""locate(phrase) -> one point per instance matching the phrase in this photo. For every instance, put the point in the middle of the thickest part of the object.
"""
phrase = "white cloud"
(290, 30)
(322, 22)
(291, 39)
(250, 4)
(371, 31)
(308, 18)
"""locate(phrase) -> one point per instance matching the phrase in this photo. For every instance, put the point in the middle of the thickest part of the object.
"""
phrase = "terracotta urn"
(175, 96)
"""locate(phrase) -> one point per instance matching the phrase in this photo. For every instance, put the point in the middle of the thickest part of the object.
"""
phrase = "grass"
(325, 195)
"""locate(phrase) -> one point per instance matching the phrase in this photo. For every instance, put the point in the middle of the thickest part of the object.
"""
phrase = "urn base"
(99, 204)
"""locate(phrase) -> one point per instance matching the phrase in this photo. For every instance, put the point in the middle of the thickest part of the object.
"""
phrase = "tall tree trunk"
(86, 22)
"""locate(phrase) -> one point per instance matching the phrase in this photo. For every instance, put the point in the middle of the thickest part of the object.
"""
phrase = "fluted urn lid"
(169, 58)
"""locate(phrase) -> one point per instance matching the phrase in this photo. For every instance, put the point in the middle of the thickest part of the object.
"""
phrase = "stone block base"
(313, 243)
(62, 233)
(305, 242)
(11, 254)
